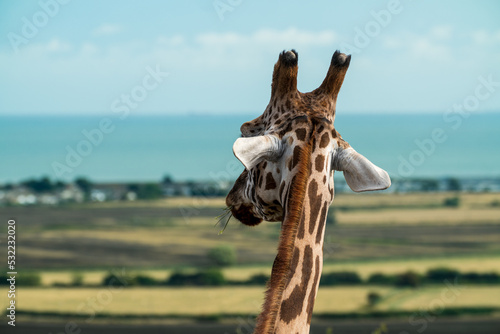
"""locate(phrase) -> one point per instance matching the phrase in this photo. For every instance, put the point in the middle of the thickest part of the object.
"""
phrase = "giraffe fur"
(290, 153)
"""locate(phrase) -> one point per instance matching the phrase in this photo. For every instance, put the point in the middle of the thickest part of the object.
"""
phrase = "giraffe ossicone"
(290, 153)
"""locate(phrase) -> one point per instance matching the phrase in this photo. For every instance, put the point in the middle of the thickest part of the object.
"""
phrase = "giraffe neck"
(297, 268)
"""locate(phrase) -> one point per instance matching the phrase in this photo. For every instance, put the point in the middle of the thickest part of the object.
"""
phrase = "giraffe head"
(295, 129)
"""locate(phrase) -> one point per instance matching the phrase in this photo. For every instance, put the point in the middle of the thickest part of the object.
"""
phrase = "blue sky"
(418, 56)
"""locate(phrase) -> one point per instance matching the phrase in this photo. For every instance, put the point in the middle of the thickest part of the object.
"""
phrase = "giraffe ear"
(252, 150)
(359, 172)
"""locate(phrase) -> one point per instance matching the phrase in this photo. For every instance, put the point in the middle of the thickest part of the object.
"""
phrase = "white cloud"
(290, 36)
(428, 49)
(433, 45)
(175, 40)
(442, 43)
(89, 49)
(391, 42)
(483, 37)
(295, 36)
(212, 62)
(221, 39)
(442, 32)
(107, 29)
(55, 45)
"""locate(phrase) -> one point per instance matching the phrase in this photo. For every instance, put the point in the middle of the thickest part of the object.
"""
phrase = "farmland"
(372, 233)
(168, 235)
(363, 268)
(215, 301)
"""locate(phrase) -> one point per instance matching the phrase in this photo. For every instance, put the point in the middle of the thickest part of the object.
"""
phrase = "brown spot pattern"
(292, 307)
(293, 264)
(312, 295)
(270, 183)
(322, 220)
(314, 204)
(296, 155)
(325, 139)
(302, 226)
(301, 134)
(320, 162)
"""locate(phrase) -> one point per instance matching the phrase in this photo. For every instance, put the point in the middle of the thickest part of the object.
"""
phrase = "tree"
(427, 185)
(206, 277)
(59, 184)
(85, 185)
(144, 280)
(381, 279)
(39, 186)
(341, 278)
(167, 179)
(77, 279)
(222, 256)
(29, 279)
(452, 202)
(453, 184)
(147, 190)
(113, 280)
(212, 277)
(409, 279)
(373, 298)
(258, 279)
(439, 275)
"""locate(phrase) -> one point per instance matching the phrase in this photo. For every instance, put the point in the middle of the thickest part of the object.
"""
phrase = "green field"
(363, 268)
(176, 233)
(240, 300)
(374, 233)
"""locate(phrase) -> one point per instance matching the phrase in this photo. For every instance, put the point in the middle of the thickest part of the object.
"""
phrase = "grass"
(363, 268)
(241, 300)
(436, 297)
(386, 233)
(344, 200)
(120, 238)
(415, 216)
(366, 268)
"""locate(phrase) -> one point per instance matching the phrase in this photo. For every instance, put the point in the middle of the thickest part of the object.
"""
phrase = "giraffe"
(290, 153)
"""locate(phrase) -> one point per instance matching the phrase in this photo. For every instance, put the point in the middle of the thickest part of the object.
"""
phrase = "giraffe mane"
(281, 267)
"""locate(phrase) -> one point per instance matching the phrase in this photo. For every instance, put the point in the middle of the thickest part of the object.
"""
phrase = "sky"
(69, 57)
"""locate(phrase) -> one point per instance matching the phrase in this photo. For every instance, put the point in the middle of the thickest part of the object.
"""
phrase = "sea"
(199, 147)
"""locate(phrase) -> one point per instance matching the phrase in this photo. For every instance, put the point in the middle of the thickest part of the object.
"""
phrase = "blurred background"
(117, 120)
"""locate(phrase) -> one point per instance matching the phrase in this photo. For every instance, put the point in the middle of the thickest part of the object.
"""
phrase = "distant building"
(109, 192)
(24, 195)
(71, 193)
